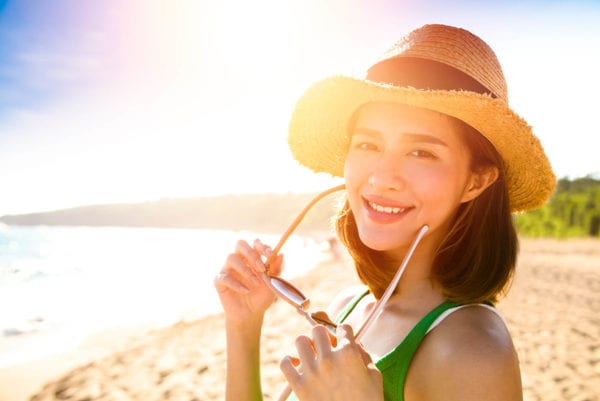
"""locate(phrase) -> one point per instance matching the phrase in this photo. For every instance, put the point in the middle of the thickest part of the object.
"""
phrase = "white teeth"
(386, 209)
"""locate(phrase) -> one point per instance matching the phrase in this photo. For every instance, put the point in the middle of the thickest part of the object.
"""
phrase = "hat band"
(424, 74)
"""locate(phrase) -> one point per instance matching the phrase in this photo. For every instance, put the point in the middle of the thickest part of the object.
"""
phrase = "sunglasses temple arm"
(391, 287)
(297, 221)
(285, 393)
(307, 316)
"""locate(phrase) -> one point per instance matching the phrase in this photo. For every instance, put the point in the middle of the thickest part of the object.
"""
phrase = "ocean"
(70, 282)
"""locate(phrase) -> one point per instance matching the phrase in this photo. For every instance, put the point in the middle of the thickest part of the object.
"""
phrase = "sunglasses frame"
(302, 303)
(299, 301)
(320, 317)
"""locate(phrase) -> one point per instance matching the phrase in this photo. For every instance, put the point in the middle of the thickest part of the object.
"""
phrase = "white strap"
(447, 313)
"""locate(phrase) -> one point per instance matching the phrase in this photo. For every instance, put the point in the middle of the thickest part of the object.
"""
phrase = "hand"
(324, 371)
(243, 294)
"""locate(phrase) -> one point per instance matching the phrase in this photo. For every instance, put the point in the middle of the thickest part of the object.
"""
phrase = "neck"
(417, 283)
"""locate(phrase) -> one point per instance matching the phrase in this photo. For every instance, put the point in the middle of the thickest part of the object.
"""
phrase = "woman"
(427, 139)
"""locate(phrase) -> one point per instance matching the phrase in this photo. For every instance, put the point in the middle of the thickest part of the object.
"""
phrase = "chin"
(383, 243)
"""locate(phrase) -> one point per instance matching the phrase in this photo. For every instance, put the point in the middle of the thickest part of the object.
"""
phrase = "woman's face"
(405, 167)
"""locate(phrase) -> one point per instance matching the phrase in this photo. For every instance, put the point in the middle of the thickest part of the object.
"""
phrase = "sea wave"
(74, 281)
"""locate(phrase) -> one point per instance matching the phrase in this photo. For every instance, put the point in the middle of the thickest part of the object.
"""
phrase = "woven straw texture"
(319, 139)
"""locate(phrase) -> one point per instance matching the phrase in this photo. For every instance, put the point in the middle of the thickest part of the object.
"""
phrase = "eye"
(423, 154)
(364, 144)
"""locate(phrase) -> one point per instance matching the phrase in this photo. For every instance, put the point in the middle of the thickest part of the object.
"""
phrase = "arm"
(243, 361)
(245, 298)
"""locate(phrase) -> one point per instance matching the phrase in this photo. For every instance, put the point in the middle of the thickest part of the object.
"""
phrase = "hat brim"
(319, 137)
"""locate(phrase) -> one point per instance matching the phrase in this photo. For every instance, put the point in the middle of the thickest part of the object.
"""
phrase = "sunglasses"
(292, 295)
(286, 290)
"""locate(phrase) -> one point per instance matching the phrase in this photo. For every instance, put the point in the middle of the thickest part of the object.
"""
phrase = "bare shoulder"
(473, 331)
(343, 298)
(469, 356)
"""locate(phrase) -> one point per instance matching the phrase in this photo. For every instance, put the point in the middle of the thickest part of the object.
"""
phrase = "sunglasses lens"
(289, 292)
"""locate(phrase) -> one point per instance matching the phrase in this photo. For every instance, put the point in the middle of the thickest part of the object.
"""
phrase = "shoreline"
(551, 311)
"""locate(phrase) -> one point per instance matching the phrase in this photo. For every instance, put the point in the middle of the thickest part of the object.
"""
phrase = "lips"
(384, 211)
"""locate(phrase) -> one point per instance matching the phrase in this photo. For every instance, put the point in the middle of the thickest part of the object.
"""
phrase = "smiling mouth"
(386, 209)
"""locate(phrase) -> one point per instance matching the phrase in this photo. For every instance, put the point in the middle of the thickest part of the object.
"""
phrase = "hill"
(270, 212)
(573, 211)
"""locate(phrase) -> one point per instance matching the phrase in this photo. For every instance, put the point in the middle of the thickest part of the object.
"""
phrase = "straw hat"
(462, 78)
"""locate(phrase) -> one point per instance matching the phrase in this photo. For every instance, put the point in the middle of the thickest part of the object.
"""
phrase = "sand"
(553, 312)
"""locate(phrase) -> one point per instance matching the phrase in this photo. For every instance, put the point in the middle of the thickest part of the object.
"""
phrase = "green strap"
(394, 365)
(350, 307)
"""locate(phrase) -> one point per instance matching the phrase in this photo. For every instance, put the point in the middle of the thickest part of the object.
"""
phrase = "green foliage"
(573, 211)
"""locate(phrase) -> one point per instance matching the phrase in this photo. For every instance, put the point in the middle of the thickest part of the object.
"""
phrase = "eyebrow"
(407, 136)
(423, 138)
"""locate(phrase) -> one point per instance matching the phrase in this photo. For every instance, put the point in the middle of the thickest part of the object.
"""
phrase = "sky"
(126, 101)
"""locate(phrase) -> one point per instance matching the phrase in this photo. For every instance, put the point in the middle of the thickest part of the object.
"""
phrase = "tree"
(573, 211)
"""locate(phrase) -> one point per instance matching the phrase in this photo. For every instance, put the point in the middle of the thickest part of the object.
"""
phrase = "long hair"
(475, 261)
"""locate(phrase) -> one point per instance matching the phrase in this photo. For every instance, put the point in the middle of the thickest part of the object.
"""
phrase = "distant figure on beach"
(434, 162)
(335, 248)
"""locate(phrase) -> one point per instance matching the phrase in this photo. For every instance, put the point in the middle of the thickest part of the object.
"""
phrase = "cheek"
(354, 171)
(428, 178)
(352, 180)
(441, 185)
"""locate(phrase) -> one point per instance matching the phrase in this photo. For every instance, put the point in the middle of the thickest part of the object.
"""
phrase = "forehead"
(394, 117)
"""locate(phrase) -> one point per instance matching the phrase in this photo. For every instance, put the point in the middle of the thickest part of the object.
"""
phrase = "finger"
(322, 341)
(237, 268)
(306, 351)
(288, 368)
(271, 262)
(223, 281)
(366, 357)
(346, 336)
(251, 256)
(262, 249)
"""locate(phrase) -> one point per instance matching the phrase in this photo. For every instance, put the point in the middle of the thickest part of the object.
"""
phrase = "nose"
(387, 173)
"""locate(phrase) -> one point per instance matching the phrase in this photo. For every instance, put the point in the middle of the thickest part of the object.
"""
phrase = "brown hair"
(475, 261)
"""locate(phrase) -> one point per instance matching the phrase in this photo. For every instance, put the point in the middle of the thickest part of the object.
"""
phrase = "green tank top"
(394, 365)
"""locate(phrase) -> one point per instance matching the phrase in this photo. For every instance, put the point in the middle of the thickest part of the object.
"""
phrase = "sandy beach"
(553, 312)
